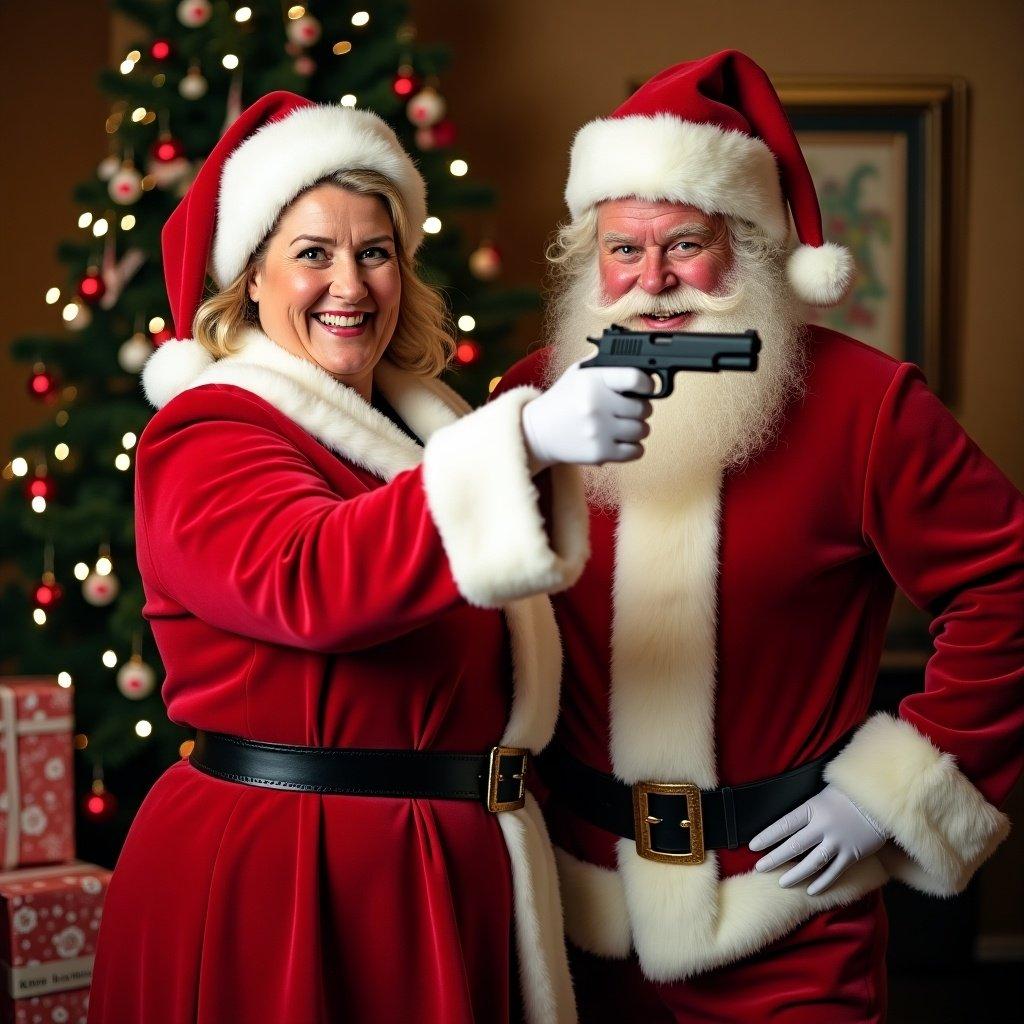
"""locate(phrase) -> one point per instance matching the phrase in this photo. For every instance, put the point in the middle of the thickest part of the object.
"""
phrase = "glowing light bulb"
(361, 18)
(128, 441)
(432, 225)
(296, 11)
(156, 323)
(99, 229)
(61, 452)
(127, 67)
(128, 222)
(348, 100)
(109, 659)
(458, 168)
(69, 312)
(230, 61)
(466, 322)
(104, 566)
(52, 295)
(39, 616)
(135, 56)
(494, 382)
(64, 679)
(85, 219)
(243, 14)
(341, 47)
(38, 503)
(143, 728)
(123, 461)
(138, 114)
(81, 570)
(19, 466)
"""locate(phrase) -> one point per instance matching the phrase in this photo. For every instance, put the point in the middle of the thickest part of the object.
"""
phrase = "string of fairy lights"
(109, 229)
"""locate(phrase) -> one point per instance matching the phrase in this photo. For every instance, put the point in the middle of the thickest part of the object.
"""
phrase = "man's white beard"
(713, 421)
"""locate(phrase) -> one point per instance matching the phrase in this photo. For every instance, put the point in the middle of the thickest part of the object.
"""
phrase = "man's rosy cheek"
(704, 271)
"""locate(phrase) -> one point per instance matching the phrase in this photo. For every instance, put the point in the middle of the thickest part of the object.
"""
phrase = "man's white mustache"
(684, 299)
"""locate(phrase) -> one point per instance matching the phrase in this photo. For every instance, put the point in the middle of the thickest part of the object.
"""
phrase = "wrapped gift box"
(49, 922)
(36, 782)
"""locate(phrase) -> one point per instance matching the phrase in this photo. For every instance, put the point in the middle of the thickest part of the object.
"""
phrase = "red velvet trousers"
(831, 970)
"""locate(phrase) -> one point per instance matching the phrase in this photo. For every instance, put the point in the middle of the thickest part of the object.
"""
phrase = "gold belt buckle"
(500, 772)
(692, 823)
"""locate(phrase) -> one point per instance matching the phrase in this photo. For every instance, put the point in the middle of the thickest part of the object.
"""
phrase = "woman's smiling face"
(329, 287)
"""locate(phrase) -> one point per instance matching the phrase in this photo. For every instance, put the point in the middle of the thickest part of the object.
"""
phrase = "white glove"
(583, 417)
(836, 831)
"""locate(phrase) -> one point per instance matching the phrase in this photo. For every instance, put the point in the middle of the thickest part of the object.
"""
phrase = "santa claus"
(724, 809)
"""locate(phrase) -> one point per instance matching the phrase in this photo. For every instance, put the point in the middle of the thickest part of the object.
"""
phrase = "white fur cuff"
(486, 507)
(929, 807)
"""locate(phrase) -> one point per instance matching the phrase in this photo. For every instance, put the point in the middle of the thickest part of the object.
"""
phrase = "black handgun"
(664, 353)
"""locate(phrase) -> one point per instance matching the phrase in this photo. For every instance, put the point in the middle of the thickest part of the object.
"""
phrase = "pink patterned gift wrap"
(36, 783)
(49, 922)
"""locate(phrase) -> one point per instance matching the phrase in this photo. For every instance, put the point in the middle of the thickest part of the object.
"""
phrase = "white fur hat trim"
(276, 163)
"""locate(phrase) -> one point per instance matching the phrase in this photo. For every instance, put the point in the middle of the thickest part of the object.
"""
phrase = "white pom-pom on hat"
(820, 275)
(172, 368)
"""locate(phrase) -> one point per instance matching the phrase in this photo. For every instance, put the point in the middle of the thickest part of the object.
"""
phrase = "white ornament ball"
(193, 13)
(136, 679)
(426, 108)
(109, 166)
(99, 590)
(485, 262)
(81, 319)
(125, 187)
(132, 355)
(167, 175)
(304, 31)
(193, 86)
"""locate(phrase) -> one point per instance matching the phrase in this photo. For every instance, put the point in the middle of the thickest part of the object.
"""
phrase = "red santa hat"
(712, 133)
(274, 149)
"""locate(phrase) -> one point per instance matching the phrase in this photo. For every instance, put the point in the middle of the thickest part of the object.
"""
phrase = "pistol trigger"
(667, 378)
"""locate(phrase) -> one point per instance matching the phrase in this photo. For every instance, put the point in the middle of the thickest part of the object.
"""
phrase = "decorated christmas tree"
(72, 599)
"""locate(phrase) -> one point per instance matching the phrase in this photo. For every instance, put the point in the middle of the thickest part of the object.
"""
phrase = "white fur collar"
(333, 413)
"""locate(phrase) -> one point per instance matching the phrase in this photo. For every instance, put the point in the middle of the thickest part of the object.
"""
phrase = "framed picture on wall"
(888, 160)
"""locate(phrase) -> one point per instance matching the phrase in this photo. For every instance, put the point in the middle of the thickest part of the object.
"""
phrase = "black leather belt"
(676, 822)
(496, 778)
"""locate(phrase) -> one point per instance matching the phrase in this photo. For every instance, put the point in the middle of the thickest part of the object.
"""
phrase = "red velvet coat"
(311, 581)
(737, 632)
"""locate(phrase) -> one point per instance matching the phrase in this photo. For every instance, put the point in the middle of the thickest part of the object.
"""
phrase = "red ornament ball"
(41, 487)
(166, 149)
(100, 804)
(305, 66)
(438, 136)
(404, 84)
(43, 384)
(92, 287)
(160, 50)
(467, 352)
(48, 594)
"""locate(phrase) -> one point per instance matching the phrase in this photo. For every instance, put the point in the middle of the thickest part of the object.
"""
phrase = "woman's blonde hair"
(422, 342)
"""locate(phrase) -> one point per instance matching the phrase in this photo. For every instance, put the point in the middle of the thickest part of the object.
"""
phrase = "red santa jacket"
(313, 576)
(736, 633)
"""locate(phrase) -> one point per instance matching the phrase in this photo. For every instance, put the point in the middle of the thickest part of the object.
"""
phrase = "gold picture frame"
(906, 137)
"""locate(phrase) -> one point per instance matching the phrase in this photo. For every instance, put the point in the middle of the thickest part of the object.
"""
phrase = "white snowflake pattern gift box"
(49, 922)
(37, 820)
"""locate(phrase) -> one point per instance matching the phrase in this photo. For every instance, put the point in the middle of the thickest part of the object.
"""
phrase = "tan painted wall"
(52, 118)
